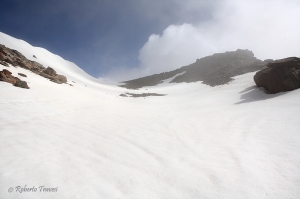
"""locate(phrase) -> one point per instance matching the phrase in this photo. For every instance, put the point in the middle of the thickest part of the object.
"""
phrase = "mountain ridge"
(213, 70)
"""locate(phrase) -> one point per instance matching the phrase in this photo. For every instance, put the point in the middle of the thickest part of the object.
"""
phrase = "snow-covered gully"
(197, 141)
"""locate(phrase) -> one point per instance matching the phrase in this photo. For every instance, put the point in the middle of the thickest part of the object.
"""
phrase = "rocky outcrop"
(6, 76)
(51, 74)
(281, 75)
(15, 58)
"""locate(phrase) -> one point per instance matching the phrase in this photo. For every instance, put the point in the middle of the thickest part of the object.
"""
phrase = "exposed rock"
(140, 95)
(2, 56)
(281, 75)
(7, 73)
(214, 70)
(10, 56)
(21, 74)
(143, 94)
(30, 65)
(4, 63)
(6, 76)
(21, 84)
(55, 78)
(49, 71)
(15, 58)
(60, 79)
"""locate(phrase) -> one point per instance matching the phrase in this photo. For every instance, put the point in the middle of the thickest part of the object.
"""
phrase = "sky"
(119, 40)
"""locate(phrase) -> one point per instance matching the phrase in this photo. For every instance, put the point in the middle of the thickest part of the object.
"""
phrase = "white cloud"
(177, 46)
(269, 28)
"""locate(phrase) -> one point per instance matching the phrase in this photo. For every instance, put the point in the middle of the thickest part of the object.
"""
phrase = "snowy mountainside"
(46, 58)
(197, 141)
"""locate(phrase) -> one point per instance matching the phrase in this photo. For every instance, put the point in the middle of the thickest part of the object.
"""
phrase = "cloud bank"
(269, 28)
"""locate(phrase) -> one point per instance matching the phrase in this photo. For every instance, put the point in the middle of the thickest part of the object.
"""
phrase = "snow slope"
(231, 141)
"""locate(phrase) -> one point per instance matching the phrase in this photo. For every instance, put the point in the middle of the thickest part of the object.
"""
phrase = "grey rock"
(21, 84)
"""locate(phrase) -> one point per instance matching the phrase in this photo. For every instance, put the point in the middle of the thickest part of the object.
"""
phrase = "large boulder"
(281, 75)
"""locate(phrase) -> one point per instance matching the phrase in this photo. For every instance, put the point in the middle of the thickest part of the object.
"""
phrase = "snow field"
(230, 141)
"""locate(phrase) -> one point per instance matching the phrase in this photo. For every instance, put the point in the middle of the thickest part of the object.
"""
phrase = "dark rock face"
(6, 76)
(15, 58)
(281, 75)
(214, 70)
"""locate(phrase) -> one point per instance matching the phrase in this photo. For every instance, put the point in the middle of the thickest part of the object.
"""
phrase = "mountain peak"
(213, 70)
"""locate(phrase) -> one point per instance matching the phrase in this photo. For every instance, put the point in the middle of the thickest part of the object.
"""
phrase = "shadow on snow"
(253, 94)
